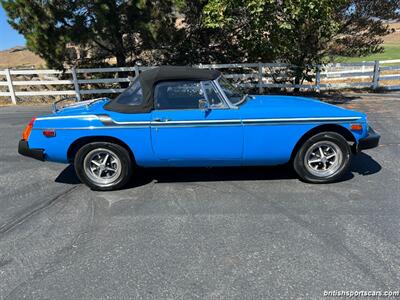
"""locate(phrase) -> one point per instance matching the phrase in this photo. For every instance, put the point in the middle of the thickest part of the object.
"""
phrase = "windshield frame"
(221, 90)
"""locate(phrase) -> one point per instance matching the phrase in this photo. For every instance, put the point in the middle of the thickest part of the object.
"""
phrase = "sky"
(8, 36)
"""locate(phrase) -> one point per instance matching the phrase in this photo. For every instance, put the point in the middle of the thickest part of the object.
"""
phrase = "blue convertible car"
(185, 117)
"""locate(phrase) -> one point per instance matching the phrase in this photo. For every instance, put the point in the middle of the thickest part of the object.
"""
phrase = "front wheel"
(103, 166)
(323, 158)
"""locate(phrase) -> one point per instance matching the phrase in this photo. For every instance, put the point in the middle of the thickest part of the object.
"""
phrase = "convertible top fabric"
(148, 79)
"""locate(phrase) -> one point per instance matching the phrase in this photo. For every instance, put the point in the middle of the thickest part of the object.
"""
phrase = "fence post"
(260, 78)
(375, 79)
(318, 79)
(136, 71)
(76, 84)
(10, 86)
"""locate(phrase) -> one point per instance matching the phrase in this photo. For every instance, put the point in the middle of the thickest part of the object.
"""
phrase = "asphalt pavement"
(222, 233)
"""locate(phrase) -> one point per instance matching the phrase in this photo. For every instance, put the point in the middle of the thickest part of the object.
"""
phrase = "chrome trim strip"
(196, 122)
(302, 119)
(84, 117)
(93, 128)
(207, 123)
(132, 123)
(106, 120)
(244, 121)
(193, 125)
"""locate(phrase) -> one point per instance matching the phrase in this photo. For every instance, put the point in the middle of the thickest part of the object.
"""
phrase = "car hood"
(292, 107)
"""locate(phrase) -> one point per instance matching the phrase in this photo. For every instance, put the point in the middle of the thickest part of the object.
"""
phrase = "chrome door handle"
(161, 120)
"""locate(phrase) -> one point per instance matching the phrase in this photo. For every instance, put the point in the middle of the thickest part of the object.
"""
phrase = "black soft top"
(148, 80)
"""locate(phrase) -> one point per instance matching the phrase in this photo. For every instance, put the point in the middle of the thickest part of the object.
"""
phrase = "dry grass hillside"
(391, 48)
(393, 38)
(20, 57)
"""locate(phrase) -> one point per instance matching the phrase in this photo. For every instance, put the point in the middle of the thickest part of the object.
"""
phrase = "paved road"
(244, 233)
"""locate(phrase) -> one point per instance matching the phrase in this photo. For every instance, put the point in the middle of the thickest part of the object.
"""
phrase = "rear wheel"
(103, 166)
(323, 158)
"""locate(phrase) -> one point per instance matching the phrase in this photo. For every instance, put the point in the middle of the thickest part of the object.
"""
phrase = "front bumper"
(370, 141)
(23, 149)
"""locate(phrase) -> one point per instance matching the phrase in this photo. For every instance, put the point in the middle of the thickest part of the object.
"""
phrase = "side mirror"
(203, 104)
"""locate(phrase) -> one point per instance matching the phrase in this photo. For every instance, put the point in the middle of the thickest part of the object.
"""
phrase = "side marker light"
(49, 133)
(356, 127)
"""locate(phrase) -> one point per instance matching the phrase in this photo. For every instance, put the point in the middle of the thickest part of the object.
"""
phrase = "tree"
(101, 30)
(302, 32)
(196, 43)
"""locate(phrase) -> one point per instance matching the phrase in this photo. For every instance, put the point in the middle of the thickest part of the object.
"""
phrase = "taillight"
(28, 129)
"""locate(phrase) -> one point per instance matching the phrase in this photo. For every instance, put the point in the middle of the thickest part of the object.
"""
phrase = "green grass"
(392, 51)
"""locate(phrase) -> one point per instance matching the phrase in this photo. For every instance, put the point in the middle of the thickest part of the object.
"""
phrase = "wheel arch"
(323, 128)
(80, 142)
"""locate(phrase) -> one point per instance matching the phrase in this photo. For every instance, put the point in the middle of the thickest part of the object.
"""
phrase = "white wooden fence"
(377, 74)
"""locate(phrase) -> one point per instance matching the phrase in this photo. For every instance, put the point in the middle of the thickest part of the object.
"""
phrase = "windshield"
(234, 95)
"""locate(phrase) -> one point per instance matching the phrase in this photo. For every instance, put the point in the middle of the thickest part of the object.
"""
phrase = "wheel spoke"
(321, 152)
(95, 163)
(110, 169)
(105, 159)
(331, 156)
(314, 161)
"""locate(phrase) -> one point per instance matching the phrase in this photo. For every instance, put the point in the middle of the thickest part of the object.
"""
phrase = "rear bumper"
(370, 141)
(23, 149)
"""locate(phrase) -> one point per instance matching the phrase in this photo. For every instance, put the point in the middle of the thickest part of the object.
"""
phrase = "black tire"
(119, 166)
(306, 165)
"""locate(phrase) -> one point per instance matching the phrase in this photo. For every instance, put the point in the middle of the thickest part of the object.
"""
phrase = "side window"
(213, 98)
(132, 95)
(178, 95)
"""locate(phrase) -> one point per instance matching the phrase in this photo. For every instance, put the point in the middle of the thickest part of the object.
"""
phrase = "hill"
(20, 57)
(391, 45)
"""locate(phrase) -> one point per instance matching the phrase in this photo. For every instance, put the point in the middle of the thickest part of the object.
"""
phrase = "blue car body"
(262, 131)
(186, 117)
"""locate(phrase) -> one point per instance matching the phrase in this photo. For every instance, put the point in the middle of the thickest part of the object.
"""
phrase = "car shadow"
(68, 176)
(165, 175)
(362, 164)
(337, 98)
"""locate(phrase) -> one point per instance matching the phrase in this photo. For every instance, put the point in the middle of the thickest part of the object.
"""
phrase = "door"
(185, 134)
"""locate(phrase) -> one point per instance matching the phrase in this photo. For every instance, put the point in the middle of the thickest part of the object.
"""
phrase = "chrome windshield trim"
(221, 92)
(243, 100)
(226, 104)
